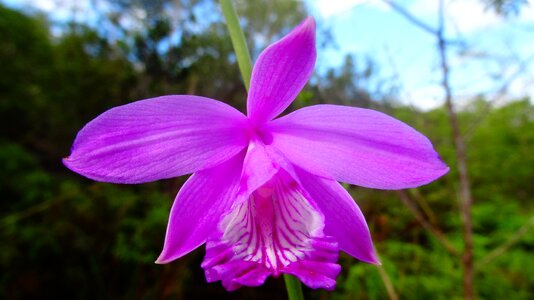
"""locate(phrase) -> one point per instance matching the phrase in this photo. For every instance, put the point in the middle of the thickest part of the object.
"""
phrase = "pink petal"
(199, 207)
(280, 72)
(258, 168)
(315, 274)
(158, 138)
(343, 218)
(233, 273)
(358, 146)
(261, 164)
(277, 230)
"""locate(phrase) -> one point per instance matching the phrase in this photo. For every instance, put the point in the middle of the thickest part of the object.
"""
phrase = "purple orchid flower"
(264, 195)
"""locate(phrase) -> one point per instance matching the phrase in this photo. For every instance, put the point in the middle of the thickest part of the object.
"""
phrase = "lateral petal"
(343, 218)
(359, 146)
(199, 207)
(280, 73)
(158, 138)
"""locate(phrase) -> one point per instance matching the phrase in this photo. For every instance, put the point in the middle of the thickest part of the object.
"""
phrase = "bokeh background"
(65, 62)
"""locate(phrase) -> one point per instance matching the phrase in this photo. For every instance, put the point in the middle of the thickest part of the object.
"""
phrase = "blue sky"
(405, 53)
(408, 54)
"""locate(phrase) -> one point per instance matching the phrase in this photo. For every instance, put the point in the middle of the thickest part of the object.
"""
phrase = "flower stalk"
(294, 288)
(238, 41)
(293, 285)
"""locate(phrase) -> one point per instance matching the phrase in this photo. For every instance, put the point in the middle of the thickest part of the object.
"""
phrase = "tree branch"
(499, 94)
(459, 146)
(401, 10)
(387, 283)
(408, 202)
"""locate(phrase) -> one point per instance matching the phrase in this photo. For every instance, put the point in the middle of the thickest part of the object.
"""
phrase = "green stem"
(294, 288)
(293, 285)
(238, 41)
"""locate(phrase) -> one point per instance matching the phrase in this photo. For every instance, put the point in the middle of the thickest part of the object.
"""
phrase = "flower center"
(261, 133)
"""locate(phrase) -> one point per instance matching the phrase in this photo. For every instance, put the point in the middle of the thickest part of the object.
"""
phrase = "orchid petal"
(279, 229)
(199, 206)
(157, 138)
(281, 72)
(258, 168)
(237, 273)
(307, 272)
(358, 146)
(262, 162)
(343, 218)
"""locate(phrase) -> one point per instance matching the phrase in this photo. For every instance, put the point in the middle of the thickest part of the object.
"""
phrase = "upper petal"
(157, 138)
(343, 218)
(280, 72)
(358, 146)
(199, 207)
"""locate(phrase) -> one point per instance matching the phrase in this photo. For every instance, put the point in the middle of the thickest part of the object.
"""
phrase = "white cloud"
(332, 8)
(81, 11)
(424, 97)
(522, 87)
(55, 6)
(44, 5)
(467, 15)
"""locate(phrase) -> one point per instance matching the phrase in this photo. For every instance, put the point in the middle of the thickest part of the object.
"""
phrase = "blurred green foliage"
(64, 236)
